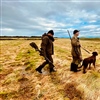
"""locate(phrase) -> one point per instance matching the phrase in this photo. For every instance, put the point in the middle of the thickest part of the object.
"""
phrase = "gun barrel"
(81, 46)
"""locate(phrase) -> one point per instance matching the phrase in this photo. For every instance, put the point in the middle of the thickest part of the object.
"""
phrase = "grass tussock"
(72, 92)
(90, 85)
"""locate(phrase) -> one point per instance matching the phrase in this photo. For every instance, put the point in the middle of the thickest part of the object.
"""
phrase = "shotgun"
(81, 46)
(33, 45)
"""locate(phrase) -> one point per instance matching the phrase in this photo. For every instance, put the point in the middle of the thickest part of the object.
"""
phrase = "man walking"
(47, 50)
(76, 52)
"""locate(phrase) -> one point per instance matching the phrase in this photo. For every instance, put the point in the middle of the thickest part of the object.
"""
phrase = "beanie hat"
(75, 31)
(51, 32)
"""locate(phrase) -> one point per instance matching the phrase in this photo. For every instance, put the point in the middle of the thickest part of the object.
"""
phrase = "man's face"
(50, 34)
(77, 34)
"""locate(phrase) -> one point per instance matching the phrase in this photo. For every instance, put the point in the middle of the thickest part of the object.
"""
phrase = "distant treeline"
(38, 38)
(90, 38)
(20, 37)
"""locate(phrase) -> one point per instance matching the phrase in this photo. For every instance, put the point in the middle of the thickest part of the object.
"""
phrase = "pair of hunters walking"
(47, 50)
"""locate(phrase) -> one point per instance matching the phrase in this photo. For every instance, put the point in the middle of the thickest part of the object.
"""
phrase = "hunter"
(76, 51)
(47, 50)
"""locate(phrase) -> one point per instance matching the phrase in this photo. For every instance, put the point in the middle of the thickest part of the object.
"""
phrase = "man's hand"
(79, 45)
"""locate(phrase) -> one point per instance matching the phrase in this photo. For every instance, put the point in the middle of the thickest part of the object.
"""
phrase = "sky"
(35, 17)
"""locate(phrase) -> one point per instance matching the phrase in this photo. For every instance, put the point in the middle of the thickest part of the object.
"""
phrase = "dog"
(89, 61)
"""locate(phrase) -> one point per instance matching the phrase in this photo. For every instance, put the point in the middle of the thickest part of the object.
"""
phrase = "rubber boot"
(41, 66)
(52, 70)
(75, 67)
(72, 67)
(39, 69)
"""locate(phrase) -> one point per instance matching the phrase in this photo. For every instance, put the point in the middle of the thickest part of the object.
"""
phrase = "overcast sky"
(34, 17)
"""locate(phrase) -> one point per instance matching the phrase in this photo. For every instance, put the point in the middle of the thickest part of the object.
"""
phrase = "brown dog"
(89, 61)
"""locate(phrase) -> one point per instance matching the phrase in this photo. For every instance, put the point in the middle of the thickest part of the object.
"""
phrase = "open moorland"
(20, 81)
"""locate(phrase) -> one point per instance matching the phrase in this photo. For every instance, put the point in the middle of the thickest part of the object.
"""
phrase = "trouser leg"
(51, 59)
(51, 67)
(74, 64)
(44, 63)
(41, 66)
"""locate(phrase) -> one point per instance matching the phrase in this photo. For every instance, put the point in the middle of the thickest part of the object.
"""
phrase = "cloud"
(26, 17)
(90, 26)
(47, 23)
(7, 29)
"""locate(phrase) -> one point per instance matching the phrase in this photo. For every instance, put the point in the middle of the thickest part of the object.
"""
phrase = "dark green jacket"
(47, 47)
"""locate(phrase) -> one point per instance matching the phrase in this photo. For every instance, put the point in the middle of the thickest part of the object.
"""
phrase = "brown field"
(20, 81)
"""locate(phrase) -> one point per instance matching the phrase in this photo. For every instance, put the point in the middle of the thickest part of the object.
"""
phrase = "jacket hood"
(50, 37)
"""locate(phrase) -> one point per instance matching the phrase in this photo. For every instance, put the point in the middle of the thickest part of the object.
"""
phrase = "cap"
(75, 31)
(51, 31)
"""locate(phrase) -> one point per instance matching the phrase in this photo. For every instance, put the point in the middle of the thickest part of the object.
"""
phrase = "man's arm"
(75, 43)
(44, 46)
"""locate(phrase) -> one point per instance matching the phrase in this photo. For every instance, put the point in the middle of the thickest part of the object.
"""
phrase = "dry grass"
(20, 81)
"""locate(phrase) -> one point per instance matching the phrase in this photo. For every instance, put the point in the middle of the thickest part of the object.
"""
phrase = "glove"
(42, 53)
(79, 45)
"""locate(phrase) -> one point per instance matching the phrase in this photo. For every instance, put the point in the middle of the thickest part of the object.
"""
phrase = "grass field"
(20, 81)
